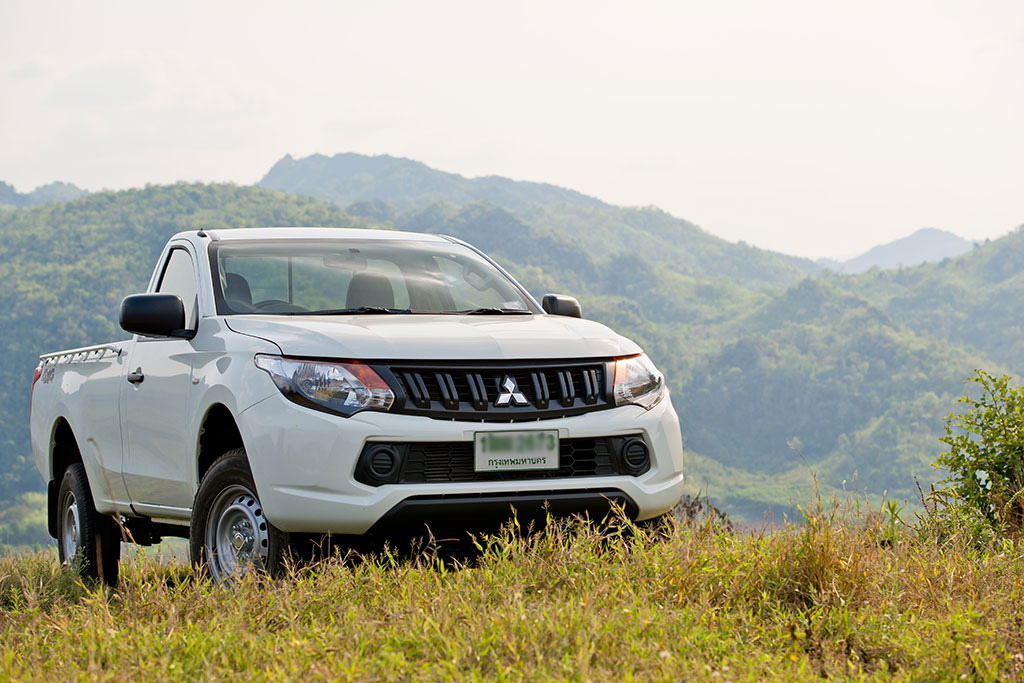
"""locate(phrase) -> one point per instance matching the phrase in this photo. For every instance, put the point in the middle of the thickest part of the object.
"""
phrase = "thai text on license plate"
(523, 450)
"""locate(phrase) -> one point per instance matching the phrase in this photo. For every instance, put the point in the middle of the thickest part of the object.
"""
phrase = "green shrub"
(985, 460)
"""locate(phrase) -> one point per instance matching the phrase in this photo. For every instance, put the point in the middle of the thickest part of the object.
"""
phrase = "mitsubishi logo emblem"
(510, 394)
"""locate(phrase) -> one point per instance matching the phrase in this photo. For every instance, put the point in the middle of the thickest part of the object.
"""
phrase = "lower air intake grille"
(452, 461)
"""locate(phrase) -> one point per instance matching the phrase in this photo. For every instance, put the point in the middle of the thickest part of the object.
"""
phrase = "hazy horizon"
(813, 130)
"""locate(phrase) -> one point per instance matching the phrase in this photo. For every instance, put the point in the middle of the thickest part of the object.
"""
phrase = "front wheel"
(87, 541)
(230, 535)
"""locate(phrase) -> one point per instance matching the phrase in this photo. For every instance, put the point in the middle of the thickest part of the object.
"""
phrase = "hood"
(435, 337)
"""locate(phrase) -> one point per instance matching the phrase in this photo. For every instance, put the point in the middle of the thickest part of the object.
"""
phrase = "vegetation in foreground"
(844, 595)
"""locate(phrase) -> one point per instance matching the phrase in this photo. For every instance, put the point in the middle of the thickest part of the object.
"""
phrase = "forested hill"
(927, 245)
(776, 374)
(411, 195)
(604, 234)
(52, 192)
(347, 178)
(974, 300)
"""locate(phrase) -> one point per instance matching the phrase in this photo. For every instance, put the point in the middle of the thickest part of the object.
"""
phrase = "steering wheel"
(240, 306)
(278, 306)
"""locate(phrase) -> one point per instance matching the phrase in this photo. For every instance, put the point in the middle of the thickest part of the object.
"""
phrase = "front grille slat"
(593, 386)
(446, 387)
(568, 390)
(540, 390)
(478, 392)
(446, 398)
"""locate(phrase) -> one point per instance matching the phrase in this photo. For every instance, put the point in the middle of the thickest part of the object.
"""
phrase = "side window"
(180, 278)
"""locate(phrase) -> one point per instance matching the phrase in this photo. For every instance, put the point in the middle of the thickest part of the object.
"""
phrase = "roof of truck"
(286, 233)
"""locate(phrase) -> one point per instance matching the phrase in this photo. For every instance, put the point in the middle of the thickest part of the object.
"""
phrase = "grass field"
(840, 596)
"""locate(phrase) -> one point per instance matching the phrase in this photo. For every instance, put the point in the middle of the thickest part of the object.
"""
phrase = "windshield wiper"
(495, 311)
(381, 310)
(361, 310)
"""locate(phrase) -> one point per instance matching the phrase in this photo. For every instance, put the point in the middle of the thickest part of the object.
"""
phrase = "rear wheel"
(88, 542)
(230, 535)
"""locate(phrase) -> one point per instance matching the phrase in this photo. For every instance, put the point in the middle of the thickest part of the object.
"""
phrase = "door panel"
(159, 453)
(158, 464)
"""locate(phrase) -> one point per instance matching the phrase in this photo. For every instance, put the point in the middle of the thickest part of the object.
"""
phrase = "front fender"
(227, 377)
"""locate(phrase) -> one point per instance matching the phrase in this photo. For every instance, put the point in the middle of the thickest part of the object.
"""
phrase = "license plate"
(529, 450)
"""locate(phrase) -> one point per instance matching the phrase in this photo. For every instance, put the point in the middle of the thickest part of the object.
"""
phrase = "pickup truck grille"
(500, 392)
(452, 461)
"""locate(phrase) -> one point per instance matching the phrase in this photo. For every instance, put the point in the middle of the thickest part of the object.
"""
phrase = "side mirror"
(154, 315)
(558, 304)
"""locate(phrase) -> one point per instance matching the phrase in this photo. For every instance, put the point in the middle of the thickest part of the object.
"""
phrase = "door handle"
(136, 377)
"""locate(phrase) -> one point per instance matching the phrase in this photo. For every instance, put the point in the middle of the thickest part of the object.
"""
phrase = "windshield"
(335, 277)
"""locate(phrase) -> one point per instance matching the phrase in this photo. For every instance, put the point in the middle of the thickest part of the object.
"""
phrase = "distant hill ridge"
(347, 178)
(927, 245)
(412, 196)
(52, 192)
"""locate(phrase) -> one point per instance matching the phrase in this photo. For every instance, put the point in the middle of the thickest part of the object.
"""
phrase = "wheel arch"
(218, 434)
(64, 452)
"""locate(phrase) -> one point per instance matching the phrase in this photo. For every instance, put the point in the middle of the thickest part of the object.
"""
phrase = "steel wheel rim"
(237, 538)
(70, 533)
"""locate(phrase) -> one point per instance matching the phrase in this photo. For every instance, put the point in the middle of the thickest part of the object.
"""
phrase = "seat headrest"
(370, 289)
(236, 288)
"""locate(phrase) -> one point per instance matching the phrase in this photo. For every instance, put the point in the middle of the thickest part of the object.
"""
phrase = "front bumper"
(303, 463)
(444, 514)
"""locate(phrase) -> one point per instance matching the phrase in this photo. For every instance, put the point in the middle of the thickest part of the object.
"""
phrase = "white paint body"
(140, 442)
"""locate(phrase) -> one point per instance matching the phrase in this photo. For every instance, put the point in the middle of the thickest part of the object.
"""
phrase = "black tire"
(229, 534)
(88, 542)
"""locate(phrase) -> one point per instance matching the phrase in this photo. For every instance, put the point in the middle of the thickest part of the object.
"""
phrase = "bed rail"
(81, 354)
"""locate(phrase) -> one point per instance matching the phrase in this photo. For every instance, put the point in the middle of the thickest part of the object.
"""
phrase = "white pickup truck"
(291, 381)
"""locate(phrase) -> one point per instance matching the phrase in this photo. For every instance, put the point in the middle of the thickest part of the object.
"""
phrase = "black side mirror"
(154, 315)
(559, 304)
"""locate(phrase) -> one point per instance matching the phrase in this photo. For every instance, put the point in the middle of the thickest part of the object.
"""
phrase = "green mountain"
(821, 381)
(348, 178)
(664, 239)
(927, 245)
(413, 196)
(976, 300)
(53, 192)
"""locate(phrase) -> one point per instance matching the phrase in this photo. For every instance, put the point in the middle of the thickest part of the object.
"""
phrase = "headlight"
(638, 382)
(344, 388)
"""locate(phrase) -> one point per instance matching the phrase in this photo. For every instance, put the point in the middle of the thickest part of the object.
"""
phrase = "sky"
(807, 127)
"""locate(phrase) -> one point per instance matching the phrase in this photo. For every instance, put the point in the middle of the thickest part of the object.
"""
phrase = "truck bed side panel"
(85, 393)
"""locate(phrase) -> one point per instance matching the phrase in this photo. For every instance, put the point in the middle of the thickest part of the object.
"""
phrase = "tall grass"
(841, 595)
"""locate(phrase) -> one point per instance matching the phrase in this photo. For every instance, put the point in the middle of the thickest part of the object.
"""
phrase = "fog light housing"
(383, 461)
(635, 455)
(378, 464)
